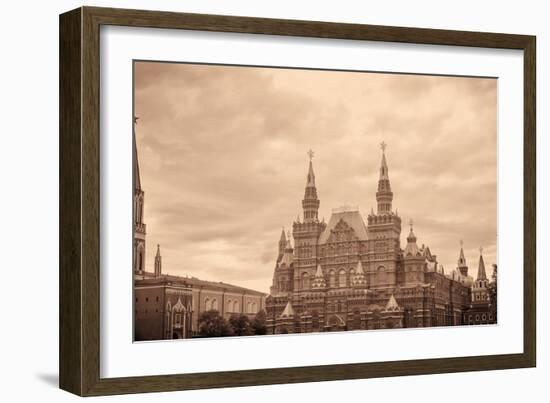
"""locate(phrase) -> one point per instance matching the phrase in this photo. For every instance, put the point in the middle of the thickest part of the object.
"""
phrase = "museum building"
(348, 275)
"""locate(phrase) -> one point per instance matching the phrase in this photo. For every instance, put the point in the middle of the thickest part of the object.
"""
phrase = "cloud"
(222, 154)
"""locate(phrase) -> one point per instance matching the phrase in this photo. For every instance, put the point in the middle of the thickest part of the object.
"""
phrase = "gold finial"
(311, 154)
(461, 243)
(383, 146)
(481, 250)
(411, 223)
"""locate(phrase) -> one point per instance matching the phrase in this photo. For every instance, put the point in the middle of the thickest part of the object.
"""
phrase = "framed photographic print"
(249, 201)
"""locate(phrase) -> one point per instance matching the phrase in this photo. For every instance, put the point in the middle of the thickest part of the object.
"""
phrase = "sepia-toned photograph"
(273, 200)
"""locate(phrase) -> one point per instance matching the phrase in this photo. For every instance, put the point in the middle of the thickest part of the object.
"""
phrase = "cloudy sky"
(223, 161)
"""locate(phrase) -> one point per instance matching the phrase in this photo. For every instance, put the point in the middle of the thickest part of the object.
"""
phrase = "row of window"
(147, 299)
(231, 306)
(341, 279)
(483, 317)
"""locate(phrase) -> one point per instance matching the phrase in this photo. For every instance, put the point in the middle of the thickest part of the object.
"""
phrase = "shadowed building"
(348, 275)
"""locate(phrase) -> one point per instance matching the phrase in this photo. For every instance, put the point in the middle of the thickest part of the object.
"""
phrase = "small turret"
(359, 278)
(158, 262)
(462, 266)
(411, 250)
(319, 282)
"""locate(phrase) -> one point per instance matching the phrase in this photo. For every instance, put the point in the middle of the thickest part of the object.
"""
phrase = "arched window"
(253, 307)
(332, 278)
(381, 274)
(342, 278)
(207, 305)
(215, 304)
(248, 307)
(229, 305)
(235, 306)
(305, 281)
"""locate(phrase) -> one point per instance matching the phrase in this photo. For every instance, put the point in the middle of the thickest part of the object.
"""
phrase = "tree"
(212, 324)
(240, 323)
(258, 324)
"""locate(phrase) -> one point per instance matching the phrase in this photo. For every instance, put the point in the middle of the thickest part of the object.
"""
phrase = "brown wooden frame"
(79, 200)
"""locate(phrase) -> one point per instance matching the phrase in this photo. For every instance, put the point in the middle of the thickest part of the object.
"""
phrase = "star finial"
(481, 250)
(461, 243)
(383, 146)
(311, 154)
(411, 223)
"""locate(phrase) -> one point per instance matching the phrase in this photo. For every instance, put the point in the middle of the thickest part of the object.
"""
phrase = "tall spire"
(384, 195)
(310, 203)
(310, 174)
(139, 225)
(481, 275)
(137, 179)
(158, 262)
(462, 266)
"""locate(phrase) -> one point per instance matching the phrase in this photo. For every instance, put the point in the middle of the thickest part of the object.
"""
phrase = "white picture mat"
(121, 357)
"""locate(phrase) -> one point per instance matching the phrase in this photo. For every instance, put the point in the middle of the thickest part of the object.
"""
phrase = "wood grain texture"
(80, 197)
(70, 273)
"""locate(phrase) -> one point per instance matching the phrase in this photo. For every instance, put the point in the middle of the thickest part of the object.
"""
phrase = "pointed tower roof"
(137, 179)
(392, 304)
(289, 311)
(481, 275)
(310, 176)
(319, 272)
(158, 250)
(384, 166)
(461, 258)
(283, 237)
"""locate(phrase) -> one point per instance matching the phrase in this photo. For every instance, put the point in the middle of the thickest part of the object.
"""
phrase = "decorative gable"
(342, 232)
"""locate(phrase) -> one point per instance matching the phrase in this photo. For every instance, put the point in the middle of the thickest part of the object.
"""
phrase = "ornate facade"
(348, 275)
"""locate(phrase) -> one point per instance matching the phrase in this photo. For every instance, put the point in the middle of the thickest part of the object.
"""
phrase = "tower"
(462, 266)
(384, 195)
(480, 294)
(284, 270)
(139, 225)
(413, 260)
(306, 233)
(384, 232)
(158, 262)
